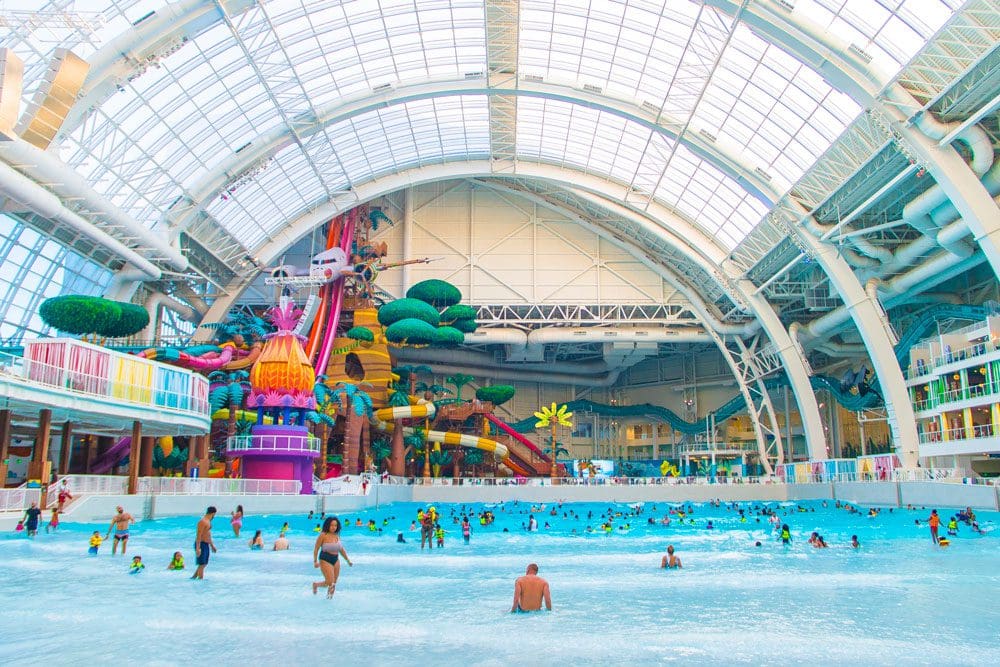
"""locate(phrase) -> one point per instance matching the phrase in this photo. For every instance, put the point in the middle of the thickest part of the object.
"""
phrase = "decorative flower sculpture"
(553, 417)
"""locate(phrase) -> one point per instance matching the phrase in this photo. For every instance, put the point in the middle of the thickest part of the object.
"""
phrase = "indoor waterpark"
(482, 332)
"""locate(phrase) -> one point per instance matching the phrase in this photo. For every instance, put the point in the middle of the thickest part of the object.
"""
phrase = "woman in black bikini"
(326, 555)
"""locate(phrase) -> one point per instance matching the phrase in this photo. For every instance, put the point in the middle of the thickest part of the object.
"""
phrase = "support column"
(203, 463)
(146, 457)
(404, 271)
(40, 468)
(66, 447)
(192, 457)
(133, 456)
(91, 444)
(4, 445)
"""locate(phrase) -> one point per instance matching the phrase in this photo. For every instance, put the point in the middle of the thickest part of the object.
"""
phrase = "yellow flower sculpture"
(553, 417)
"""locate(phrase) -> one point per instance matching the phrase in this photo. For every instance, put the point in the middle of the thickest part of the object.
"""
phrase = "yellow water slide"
(422, 410)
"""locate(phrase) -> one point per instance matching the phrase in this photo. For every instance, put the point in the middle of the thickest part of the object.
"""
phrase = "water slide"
(193, 358)
(422, 410)
(109, 459)
(316, 331)
(518, 461)
(336, 302)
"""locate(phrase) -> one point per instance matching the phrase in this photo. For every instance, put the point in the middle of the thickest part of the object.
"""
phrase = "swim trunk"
(121, 534)
(201, 558)
(92, 551)
(328, 557)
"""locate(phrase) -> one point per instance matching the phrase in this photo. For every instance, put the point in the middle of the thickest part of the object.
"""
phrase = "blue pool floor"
(899, 599)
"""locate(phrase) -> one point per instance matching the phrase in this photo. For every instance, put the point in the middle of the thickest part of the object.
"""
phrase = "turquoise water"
(899, 599)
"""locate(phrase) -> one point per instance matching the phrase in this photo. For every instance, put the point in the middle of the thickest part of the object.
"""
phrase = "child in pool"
(53, 522)
(786, 534)
(95, 543)
(177, 562)
(137, 566)
(854, 542)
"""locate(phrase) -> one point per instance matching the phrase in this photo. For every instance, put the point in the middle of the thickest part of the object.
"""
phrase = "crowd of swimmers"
(531, 591)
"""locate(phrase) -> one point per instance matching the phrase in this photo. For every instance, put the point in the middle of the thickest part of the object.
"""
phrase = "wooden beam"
(146, 457)
(133, 457)
(4, 445)
(40, 468)
(65, 447)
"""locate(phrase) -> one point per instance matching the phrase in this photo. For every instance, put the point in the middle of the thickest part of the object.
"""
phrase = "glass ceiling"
(159, 137)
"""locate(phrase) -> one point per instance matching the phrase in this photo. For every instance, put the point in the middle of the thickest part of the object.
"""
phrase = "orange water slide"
(316, 331)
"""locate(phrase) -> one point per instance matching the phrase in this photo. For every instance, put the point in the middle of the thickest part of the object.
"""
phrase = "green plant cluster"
(81, 315)
(415, 320)
(496, 394)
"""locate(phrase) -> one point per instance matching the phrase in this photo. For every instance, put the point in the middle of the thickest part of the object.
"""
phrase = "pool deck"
(100, 508)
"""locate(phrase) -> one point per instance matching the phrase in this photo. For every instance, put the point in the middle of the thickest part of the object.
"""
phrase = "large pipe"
(153, 304)
(70, 185)
(30, 194)
(123, 283)
(484, 360)
(513, 375)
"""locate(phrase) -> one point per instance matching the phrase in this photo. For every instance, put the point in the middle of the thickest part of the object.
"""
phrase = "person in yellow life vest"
(439, 535)
(953, 526)
(420, 515)
(95, 543)
(371, 525)
(177, 562)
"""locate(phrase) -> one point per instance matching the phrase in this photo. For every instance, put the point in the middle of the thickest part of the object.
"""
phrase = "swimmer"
(177, 562)
(786, 534)
(237, 520)
(257, 542)
(934, 521)
(943, 542)
(530, 591)
(400, 539)
(120, 522)
(95, 543)
(854, 542)
(670, 561)
(281, 544)
(327, 552)
(317, 528)
(53, 524)
(203, 542)
(758, 544)
(952, 526)
(136, 567)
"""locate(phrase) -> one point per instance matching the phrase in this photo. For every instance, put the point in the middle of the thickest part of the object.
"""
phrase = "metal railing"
(281, 443)
(94, 485)
(596, 481)
(962, 354)
(206, 486)
(957, 433)
(42, 374)
(19, 499)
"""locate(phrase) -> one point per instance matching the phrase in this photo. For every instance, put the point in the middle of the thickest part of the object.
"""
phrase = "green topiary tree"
(496, 394)
(79, 315)
(133, 319)
(458, 312)
(465, 326)
(448, 337)
(362, 334)
(438, 293)
(411, 331)
(404, 309)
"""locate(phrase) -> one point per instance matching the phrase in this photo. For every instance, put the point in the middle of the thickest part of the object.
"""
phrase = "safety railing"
(19, 499)
(206, 486)
(88, 370)
(93, 485)
(962, 354)
(279, 443)
(958, 433)
(584, 481)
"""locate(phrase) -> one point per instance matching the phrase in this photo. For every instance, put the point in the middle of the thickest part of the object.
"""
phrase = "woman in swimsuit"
(237, 520)
(326, 555)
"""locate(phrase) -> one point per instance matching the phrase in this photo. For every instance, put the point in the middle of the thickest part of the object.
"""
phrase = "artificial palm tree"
(474, 458)
(397, 457)
(380, 450)
(227, 390)
(459, 380)
(357, 407)
(411, 375)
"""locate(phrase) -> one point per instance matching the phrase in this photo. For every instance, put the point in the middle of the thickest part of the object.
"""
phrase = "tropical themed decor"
(553, 417)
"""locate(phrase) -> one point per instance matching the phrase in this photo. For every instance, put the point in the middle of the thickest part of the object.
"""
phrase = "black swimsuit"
(328, 557)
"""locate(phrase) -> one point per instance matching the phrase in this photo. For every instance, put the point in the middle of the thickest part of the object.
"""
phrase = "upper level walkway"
(102, 391)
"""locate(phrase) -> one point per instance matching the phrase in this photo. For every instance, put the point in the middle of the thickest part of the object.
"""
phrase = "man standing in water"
(934, 521)
(203, 542)
(120, 523)
(529, 591)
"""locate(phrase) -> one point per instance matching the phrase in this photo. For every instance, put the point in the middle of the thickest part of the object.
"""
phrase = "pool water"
(899, 599)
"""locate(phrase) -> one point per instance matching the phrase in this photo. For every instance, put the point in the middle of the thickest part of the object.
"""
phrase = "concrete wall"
(537, 494)
(931, 494)
(867, 493)
(810, 491)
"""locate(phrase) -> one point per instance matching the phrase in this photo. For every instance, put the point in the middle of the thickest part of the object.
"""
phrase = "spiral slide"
(112, 457)
(387, 415)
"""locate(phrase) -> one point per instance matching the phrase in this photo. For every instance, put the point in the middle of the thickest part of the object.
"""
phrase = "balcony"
(273, 444)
